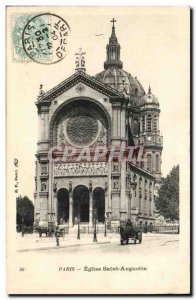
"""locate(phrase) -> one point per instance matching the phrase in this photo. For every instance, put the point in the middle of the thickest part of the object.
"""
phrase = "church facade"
(84, 114)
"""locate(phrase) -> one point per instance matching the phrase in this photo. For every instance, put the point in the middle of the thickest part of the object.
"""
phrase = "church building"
(110, 109)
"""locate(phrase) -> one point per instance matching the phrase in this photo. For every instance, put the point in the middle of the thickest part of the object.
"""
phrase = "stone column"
(106, 197)
(50, 187)
(37, 189)
(55, 202)
(145, 123)
(70, 205)
(129, 204)
(109, 189)
(123, 204)
(114, 191)
(90, 204)
(55, 208)
(123, 198)
(70, 209)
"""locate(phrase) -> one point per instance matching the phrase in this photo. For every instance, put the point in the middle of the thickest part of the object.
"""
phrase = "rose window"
(81, 128)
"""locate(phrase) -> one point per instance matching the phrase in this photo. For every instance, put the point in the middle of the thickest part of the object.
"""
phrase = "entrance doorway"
(99, 203)
(81, 203)
(63, 206)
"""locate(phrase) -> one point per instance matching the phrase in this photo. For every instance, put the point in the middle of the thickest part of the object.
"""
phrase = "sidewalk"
(35, 243)
(32, 242)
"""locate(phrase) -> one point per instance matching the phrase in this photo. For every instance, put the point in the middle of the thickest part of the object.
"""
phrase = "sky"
(154, 47)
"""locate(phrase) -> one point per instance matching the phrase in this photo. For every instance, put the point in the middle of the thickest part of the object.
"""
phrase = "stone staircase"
(87, 228)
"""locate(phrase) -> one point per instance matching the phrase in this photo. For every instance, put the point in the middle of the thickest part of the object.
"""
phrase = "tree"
(24, 211)
(167, 203)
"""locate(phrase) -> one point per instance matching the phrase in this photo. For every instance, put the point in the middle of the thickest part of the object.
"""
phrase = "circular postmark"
(45, 38)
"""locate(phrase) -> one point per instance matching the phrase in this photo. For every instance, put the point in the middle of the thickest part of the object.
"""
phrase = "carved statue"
(70, 185)
(80, 60)
(80, 169)
(54, 186)
(44, 169)
(83, 61)
(41, 92)
(115, 184)
(43, 186)
(116, 169)
(130, 181)
(77, 62)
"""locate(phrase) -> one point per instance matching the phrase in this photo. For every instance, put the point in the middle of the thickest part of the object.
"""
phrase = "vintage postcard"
(98, 149)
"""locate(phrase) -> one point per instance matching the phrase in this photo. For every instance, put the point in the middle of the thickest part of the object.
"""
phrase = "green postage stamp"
(41, 38)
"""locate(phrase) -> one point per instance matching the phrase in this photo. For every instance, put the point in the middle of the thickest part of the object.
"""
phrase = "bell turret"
(113, 51)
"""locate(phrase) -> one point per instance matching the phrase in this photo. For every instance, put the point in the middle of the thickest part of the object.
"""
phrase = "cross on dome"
(113, 21)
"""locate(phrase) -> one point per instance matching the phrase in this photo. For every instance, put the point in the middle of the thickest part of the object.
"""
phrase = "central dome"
(115, 76)
(121, 81)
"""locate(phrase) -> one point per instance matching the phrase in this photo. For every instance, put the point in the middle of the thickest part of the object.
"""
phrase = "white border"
(3, 4)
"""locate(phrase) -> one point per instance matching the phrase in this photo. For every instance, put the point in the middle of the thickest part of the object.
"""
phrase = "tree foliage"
(24, 211)
(167, 203)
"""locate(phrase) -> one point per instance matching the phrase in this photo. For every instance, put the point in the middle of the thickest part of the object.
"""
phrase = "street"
(98, 265)
(151, 244)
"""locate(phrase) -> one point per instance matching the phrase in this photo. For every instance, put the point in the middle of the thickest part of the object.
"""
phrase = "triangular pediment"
(75, 79)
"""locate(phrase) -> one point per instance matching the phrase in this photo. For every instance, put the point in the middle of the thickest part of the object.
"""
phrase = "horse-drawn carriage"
(128, 231)
(49, 231)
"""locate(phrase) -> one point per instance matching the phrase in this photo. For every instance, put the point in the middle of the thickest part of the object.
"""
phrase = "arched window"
(150, 199)
(157, 163)
(140, 194)
(149, 123)
(136, 127)
(135, 178)
(143, 123)
(113, 53)
(146, 183)
(149, 162)
(150, 206)
(155, 123)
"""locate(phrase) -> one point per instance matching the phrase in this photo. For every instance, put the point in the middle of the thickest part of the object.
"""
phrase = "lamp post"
(78, 236)
(130, 196)
(105, 232)
(95, 227)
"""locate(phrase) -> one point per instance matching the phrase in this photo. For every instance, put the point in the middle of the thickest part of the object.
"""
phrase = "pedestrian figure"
(128, 223)
(23, 231)
(57, 235)
(145, 228)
